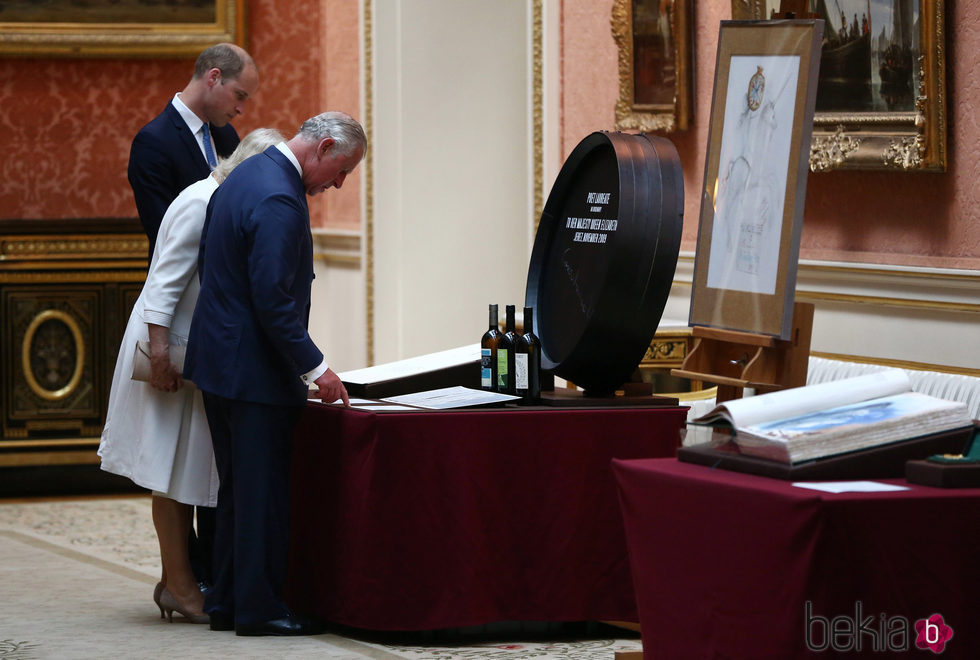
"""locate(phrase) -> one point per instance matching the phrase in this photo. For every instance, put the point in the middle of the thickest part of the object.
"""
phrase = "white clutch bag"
(141, 360)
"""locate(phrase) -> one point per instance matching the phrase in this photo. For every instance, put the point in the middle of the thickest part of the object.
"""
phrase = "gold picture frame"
(658, 96)
(129, 28)
(755, 176)
(37, 350)
(905, 128)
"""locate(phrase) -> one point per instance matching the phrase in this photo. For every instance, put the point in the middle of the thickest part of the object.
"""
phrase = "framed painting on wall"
(755, 176)
(656, 89)
(118, 28)
(881, 101)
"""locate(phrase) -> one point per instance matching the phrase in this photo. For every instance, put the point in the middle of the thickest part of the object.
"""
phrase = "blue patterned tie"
(208, 150)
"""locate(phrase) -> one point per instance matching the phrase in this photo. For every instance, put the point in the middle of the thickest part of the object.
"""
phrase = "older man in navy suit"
(181, 145)
(250, 354)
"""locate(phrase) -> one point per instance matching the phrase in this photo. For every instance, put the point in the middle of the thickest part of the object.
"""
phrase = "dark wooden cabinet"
(66, 291)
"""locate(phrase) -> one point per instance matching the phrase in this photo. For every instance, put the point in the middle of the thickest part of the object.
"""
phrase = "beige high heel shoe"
(157, 590)
(169, 603)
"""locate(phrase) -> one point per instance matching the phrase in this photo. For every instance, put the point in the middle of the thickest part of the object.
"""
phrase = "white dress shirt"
(194, 123)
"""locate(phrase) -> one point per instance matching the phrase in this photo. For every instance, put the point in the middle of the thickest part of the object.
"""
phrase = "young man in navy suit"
(167, 155)
(250, 354)
(181, 145)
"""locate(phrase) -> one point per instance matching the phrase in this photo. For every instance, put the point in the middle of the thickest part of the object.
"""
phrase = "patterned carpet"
(77, 576)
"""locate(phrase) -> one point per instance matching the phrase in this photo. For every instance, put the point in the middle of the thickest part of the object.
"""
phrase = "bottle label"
(520, 371)
(502, 367)
(486, 369)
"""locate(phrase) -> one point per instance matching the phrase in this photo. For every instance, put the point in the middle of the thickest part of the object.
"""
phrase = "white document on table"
(451, 397)
(849, 486)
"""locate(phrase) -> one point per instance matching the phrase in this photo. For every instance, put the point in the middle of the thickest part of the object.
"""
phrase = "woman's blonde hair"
(254, 143)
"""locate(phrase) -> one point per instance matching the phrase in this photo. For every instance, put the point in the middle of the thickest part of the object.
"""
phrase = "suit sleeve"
(176, 258)
(154, 182)
(280, 274)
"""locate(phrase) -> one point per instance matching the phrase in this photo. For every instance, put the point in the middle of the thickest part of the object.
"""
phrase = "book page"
(412, 366)
(851, 427)
(811, 398)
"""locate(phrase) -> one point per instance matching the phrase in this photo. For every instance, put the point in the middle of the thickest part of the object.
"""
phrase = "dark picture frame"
(755, 176)
(126, 28)
(656, 86)
(881, 104)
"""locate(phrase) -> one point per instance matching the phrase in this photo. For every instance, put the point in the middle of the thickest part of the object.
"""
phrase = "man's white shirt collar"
(193, 121)
(290, 155)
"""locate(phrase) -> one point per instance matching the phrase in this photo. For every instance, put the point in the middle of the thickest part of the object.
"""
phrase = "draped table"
(432, 520)
(730, 565)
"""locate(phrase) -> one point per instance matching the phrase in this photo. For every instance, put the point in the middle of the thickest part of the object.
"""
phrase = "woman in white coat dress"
(156, 433)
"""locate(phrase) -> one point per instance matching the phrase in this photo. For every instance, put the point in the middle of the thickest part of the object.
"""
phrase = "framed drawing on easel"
(755, 176)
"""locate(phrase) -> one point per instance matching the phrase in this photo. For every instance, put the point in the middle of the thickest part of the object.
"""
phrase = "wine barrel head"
(604, 257)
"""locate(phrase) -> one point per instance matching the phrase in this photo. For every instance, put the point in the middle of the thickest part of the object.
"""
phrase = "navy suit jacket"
(248, 339)
(164, 159)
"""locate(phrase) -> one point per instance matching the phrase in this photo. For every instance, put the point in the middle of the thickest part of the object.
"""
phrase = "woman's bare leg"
(172, 521)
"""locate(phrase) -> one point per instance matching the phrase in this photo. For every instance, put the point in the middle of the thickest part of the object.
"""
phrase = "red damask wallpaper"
(66, 124)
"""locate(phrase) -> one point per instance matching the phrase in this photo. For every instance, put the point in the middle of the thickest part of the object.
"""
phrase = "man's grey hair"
(254, 143)
(344, 129)
(227, 58)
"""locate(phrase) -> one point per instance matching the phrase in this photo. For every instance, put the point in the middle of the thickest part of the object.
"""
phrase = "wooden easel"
(734, 360)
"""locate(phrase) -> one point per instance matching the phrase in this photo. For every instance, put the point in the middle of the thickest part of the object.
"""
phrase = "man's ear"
(324, 146)
(213, 76)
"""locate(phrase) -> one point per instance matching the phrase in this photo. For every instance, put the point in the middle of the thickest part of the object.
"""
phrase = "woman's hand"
(164, 375)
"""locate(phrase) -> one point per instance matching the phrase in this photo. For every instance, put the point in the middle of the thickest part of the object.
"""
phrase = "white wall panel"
(451, 169)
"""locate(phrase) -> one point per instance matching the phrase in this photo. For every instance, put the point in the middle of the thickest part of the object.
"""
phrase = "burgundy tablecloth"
(725, 563)
(422, 521)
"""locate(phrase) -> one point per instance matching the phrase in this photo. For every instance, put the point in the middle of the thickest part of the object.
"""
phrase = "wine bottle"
(505, 355)
(488, 353)
(527, 362)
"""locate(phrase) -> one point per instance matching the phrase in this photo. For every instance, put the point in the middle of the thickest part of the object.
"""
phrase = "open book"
(816, 421)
